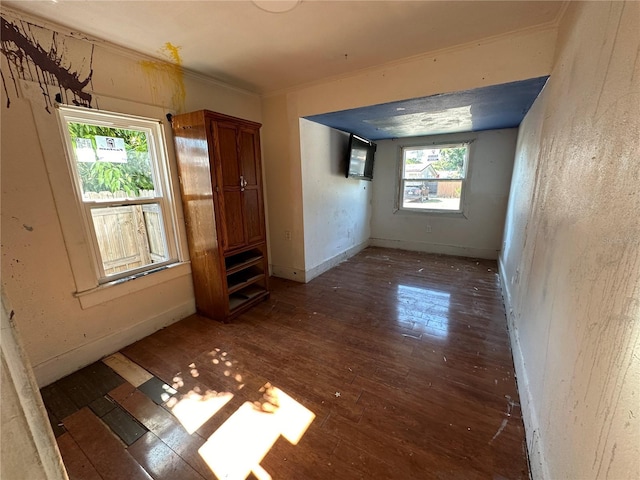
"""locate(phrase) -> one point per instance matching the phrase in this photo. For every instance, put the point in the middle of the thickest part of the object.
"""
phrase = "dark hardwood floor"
(393, 365)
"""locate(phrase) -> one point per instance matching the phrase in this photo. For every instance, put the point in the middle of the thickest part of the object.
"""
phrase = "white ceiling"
(240, 43)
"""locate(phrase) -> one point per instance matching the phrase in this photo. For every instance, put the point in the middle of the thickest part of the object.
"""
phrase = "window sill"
(128, 285)
(437, 213)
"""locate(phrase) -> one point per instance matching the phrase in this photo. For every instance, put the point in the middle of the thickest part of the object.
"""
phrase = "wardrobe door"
(230, 186)
(249, 143)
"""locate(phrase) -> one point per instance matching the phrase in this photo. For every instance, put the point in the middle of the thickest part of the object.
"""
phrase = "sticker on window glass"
(84, 150)
(111, 149)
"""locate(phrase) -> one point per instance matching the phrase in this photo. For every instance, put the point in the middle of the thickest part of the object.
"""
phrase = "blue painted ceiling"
(486, 108)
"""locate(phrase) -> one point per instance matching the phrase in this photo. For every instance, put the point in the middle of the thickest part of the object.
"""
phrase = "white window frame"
(430, 146)
(162, 183)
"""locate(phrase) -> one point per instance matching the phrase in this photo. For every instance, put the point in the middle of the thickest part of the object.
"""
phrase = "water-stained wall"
(571, 258)
(41, 247)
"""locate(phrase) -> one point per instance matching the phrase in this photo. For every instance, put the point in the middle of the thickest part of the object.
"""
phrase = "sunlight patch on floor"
(239, 445)
(194, 410)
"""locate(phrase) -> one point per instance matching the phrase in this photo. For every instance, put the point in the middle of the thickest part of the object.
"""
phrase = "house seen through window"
(433, 177)
(120, 174)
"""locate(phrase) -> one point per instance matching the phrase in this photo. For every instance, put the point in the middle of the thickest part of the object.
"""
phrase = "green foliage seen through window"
(130, 177)
(451, 159)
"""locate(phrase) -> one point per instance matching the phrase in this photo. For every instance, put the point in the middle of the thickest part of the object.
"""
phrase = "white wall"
(27, 446)
(477, 233)
(508, 58)
(60, 334)
(283, 180)
(337, 210)
(571, 264)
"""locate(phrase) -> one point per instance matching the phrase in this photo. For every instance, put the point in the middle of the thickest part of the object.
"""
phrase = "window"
(433, 177)
(120, 174)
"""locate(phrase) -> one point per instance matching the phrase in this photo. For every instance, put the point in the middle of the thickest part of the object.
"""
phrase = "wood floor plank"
(123, 425)
(160, 461)
(157, 390)
(131, 372)
(311, 459)
(367, 464)
(404, 358)
(75, 461)
(408, 460)
(105, 452)
(89, 383)
(101, 406)
(152, 358)
(57, 401)
(163, 425)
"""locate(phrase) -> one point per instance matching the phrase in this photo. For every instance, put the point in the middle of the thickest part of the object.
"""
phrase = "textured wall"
(571, 261)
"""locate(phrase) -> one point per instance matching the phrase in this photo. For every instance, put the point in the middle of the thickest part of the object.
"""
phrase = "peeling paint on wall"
(35, 54)
(167, 73)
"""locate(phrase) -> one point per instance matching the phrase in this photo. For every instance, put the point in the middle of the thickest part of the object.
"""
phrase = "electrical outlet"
(428, 230)
(287, 234)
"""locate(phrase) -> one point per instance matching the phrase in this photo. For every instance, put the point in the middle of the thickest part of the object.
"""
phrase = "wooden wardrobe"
(221, 184)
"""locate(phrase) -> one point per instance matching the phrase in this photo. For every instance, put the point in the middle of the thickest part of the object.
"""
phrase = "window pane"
(112, 163)
(434, 163)
(432, 195)
(129, 237)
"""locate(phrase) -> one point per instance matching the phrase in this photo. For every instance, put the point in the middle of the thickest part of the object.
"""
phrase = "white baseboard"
(538, 466)
(61, 365)
(288, 273)
(435, 248)
(333, 261)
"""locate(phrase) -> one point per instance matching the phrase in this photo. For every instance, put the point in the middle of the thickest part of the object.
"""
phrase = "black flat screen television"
(360, 158)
